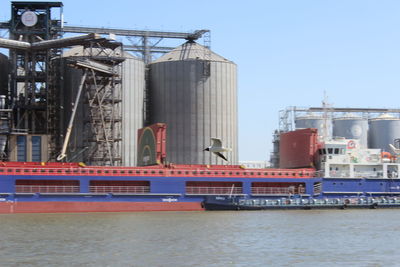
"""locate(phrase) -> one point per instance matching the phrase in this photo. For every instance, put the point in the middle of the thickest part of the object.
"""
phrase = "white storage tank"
(351, 126)
(383, 130)
(314, 121)
(194, 91)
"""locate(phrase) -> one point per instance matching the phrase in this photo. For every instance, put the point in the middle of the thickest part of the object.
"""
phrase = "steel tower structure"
(29, 87)
(35, 41)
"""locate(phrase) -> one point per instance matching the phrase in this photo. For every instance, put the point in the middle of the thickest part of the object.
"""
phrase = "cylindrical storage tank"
(315, 121)
(133, 87)
(383, 130)
(4, 72)
(352, 127)
(130, 109)
(5, 69)
(194, 91)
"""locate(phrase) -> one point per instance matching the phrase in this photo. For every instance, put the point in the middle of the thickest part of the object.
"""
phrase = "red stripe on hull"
(65, 207)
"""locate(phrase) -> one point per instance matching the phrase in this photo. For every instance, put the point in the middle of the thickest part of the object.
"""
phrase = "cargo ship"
(85, 98)
(342, 170)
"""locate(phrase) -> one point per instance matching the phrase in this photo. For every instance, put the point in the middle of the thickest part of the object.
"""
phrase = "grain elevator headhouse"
(32, 22)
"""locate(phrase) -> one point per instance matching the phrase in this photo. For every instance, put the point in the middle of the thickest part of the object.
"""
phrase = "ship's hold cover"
(298, 149)
(152, 146)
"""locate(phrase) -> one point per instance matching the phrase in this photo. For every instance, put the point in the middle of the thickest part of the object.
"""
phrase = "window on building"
(36, 148)
(21, 148)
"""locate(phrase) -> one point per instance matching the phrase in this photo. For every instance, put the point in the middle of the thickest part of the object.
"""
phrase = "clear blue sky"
(288, 52)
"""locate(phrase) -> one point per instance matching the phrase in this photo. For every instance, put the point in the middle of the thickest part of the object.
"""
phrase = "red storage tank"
(298, 149)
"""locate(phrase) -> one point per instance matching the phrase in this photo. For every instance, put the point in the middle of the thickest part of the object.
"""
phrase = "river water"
(254, 238)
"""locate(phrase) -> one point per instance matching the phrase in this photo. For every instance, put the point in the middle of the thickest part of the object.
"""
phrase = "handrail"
(119, 189)
(213, 190)
(277, 190)
(166, 172)
(46, 189)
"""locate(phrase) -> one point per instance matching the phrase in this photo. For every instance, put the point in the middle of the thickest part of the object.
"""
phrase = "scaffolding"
(103, 127)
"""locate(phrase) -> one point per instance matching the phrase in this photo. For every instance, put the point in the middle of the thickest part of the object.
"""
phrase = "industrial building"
(373, 128)
(76, 94)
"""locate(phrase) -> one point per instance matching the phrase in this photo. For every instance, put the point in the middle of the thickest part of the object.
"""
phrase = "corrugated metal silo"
(314, 121)
(133, 87)
(4, 71)
(131, 107)
(383, 130)
(194, 91)
(4, 123)
(352, 127)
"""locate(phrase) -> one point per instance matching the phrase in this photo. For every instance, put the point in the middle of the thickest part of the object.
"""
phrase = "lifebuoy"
(351, 144)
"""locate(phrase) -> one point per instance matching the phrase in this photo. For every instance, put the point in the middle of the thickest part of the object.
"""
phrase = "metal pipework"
(14, 44)
(47, 44)
(64, 42)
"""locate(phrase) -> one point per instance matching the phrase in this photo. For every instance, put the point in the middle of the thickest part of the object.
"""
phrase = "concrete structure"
(194, 91)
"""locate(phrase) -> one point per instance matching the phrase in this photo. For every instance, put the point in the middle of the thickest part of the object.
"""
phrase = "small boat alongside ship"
(243, 203)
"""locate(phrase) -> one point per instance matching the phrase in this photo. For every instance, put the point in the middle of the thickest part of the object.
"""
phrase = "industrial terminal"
(80, 94)
(91, 121)
(373, 128)
(76, 94)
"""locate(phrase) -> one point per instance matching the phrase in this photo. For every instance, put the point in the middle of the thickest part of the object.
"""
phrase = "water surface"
(254, 238)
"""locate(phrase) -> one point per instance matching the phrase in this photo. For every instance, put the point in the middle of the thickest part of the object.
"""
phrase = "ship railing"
(107, 171)
(274, 190)
(97, 171)
(213, 190)
(339, 174)
(367, 175)
(46, 189)
(120, 189)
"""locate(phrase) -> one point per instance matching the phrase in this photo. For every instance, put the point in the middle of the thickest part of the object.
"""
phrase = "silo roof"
(349, 116)
(384, 117)
(191, 51)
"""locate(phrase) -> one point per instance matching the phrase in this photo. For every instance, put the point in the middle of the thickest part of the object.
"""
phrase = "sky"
(288, 52)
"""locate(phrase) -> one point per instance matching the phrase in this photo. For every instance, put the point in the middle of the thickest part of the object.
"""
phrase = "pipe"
(14, 44)
(71, 121)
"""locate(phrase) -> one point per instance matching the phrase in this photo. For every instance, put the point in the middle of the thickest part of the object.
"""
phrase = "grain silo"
(4, 123)
(194, 91)
(310, 120)
(126, 109)
(383, 130)
(133, 86)
(4, 72)
(351, 126)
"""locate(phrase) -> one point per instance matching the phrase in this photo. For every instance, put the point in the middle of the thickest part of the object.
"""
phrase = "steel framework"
(35, 42)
